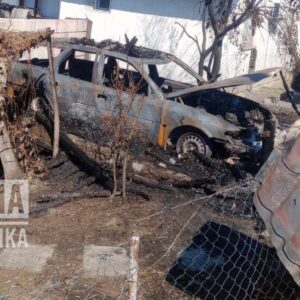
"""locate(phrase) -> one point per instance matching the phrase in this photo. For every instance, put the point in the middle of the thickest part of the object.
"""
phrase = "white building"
(154, 24)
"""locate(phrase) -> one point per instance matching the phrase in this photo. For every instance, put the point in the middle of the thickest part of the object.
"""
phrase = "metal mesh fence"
(215, 247)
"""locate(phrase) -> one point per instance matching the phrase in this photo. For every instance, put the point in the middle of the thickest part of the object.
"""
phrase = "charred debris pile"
(84, 170)
(129, 48)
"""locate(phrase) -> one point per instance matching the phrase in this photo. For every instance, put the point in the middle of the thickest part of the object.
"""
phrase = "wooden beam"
(55, 99)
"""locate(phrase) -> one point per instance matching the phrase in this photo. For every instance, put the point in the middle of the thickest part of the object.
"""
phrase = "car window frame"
(67, 52)
(153, 88)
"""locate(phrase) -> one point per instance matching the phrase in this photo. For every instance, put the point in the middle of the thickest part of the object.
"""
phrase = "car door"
(123, 84)
(75, 86)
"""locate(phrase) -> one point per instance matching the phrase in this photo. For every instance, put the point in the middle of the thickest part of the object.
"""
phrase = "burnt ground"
(164, 224)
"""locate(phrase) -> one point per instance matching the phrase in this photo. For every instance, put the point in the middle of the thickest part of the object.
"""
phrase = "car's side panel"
(147, 109)
(177, 115)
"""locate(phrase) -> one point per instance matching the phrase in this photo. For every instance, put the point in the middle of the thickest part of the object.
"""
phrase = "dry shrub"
(120, 129)
(12, 46)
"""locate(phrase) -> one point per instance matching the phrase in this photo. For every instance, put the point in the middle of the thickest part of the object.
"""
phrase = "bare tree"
(221, 18)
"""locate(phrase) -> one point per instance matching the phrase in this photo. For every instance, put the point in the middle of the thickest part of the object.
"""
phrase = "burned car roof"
(147, 56)
(136, 52)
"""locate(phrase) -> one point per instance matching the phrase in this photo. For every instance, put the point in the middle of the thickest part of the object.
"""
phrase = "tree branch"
(212, 16)
(195, 39)
(235, 23)
(242, 18)
(204, 29)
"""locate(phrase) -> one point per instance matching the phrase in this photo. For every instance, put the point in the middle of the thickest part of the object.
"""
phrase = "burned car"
(191, 116)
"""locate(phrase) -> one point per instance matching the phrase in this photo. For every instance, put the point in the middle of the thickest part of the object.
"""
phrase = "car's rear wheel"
(193, 142)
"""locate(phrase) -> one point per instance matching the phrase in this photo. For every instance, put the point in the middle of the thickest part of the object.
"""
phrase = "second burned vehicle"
(192, 115)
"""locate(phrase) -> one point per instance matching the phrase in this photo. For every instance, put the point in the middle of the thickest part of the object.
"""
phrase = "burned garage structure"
(193, 115)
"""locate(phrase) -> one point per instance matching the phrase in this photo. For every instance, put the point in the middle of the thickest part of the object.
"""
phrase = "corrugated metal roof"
(278, 203)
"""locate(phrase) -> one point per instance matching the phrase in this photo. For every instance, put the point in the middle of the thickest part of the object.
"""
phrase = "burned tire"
(193, 142)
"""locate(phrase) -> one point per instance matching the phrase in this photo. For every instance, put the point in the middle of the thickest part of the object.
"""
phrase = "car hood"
(245, 79)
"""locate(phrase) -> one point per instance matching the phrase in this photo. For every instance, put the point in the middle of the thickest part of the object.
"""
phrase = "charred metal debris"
(129, 48)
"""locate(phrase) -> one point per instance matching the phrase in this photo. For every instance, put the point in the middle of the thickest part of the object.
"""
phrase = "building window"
(102, 4)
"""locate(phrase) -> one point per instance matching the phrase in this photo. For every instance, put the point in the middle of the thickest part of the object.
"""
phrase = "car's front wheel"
(193, 142)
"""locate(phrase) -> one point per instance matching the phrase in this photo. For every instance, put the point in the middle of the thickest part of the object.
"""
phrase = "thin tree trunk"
(124, 179)
(201, 65)
(217, 60)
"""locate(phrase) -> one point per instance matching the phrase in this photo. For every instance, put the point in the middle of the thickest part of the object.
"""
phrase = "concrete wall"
(154, 24)
(63, 29)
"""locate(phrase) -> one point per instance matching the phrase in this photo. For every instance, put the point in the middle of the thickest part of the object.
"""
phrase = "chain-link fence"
(215, 247)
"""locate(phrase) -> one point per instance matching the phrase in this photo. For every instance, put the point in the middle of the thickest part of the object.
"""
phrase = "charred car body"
(193, 116)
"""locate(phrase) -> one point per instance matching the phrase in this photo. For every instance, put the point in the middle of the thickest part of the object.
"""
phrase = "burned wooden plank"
(82, 182)
(75, 195)
(42, 209)
(151, 183)
(55, 163)
(197, 182)
(79, 157)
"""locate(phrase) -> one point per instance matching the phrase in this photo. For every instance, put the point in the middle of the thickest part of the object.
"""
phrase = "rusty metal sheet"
(278, 203)
(245, 79)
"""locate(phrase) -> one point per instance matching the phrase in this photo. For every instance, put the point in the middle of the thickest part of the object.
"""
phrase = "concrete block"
(65, 26)
(44, 23)
(21, 25)
(31, 259)
(82, 25)
(105, 261)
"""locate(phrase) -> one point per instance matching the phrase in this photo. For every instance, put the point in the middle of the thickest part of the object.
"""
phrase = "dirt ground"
(67, 229)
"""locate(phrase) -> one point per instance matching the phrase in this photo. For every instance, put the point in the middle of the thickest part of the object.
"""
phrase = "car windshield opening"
(175, 72)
